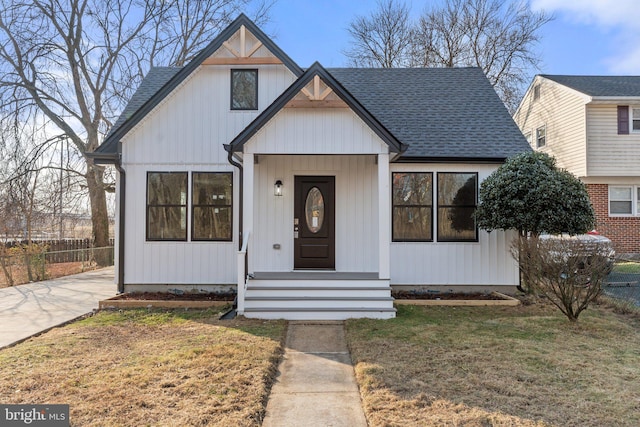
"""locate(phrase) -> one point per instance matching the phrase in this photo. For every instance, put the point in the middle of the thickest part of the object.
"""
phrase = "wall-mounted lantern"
(277, 188)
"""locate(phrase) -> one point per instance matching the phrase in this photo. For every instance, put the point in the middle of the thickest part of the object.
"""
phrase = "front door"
(314, 222)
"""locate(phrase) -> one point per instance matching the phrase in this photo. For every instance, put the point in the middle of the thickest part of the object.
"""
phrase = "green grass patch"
(627, 267)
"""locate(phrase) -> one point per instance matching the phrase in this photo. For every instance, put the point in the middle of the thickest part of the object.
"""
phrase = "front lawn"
(484, 366)
(142, 368)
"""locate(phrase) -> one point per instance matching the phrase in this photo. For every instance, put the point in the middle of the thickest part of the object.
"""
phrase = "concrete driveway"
(26, 310)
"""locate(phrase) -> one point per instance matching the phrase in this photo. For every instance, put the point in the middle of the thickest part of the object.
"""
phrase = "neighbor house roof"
(600, 85)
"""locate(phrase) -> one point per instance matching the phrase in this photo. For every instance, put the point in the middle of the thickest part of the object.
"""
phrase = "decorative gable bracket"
(242, 54)
(316, 94)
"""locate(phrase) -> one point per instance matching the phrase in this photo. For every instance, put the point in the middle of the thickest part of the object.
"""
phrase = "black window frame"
(149, 206)
(231, 93)
(423, 206)
(194, 205)
(438, 206)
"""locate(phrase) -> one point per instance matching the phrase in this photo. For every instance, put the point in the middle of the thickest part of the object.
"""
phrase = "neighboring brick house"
(591, 125)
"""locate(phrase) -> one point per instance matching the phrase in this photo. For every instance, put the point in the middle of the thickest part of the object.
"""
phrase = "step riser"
(309, 293)
(318, 283)
(324, 304)
(320, 315)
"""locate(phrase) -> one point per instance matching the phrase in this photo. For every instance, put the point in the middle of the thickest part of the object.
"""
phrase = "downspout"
(121, 214)
(241, 191)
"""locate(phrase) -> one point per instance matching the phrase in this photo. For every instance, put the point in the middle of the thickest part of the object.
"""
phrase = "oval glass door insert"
(314, 210)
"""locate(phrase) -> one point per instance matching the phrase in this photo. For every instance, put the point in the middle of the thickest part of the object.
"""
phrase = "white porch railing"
(242, 274)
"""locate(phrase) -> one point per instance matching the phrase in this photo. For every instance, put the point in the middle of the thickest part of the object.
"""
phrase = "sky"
(592, 37)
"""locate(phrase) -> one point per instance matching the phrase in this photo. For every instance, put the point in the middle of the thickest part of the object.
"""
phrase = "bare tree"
(78, 61)
(567, 271)
(383, 39)
(498, 36)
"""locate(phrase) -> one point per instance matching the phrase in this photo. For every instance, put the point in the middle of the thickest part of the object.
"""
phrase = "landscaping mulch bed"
(167, 296)
(444, 296)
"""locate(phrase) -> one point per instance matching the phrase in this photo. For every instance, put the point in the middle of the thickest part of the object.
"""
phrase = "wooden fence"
(65, 250)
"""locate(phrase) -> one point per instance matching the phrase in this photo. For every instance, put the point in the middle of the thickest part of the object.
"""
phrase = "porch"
(317, 247)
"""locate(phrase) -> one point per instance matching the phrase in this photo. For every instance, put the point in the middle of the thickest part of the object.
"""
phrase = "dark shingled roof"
(600, 85)
(438, 112)
(152, 82)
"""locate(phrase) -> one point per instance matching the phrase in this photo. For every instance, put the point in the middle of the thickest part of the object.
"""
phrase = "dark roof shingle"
(444, 113)
(438, 112)
(600, 85)
(152, 82)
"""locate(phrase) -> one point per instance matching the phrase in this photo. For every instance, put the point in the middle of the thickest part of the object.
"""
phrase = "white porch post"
(247, 200)
(384, 217)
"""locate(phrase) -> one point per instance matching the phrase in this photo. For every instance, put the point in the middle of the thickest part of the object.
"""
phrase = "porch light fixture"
(277, 188)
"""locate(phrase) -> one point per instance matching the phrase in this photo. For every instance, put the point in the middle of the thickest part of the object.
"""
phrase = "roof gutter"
(477, 160)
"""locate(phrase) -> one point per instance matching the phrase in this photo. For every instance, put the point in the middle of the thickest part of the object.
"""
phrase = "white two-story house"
(591, 125)
(312, 192)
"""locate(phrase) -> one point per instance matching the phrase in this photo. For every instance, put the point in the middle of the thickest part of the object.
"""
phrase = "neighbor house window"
(167, 205)
(628, 119)
(212, 207)
(624, 200)
(244, 89)
(527, 136)
(412, 206)
(635, 119)
(541, 136)
(457, 201)
(536, 92)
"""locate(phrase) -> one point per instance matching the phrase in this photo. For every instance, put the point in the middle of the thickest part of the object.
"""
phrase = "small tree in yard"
(567, 271)
(530, 194)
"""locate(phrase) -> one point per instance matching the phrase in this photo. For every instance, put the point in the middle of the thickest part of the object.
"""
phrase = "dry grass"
(140, 368)
(524, 366)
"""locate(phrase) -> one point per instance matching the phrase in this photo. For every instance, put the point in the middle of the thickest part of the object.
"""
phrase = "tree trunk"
(99, 216)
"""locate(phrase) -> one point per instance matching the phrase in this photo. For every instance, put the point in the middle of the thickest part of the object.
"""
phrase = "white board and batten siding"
(487, 262)
(356, 213)
(316, 131)
(186, 133)
(562, 111)
(610, 154)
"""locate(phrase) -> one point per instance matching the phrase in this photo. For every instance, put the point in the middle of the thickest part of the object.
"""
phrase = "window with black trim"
(412, 206)
(457, 202)
(212, 206)
(167, 205)
(244, 89)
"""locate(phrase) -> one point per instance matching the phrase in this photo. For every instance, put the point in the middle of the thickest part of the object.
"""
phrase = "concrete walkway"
(316, 384)
(26, 310)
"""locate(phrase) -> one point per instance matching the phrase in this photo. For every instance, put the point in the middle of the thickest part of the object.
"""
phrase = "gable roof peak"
(134, 116)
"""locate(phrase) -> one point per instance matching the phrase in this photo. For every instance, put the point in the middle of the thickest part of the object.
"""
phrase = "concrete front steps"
(324, 296)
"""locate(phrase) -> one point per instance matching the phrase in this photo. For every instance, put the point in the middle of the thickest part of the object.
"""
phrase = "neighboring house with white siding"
(591, 125)
(312, 192)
